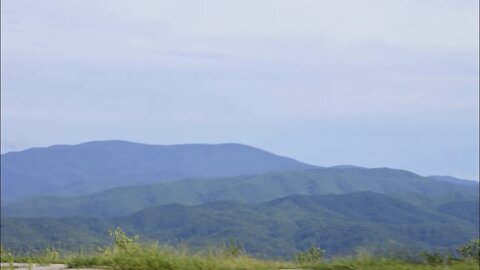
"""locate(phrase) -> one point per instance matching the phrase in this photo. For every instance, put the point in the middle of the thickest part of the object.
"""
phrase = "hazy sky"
(370, 83)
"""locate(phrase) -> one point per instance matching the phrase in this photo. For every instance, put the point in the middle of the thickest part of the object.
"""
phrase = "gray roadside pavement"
(25, 266)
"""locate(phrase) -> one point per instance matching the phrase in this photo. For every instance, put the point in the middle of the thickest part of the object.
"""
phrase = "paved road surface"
(24, 266)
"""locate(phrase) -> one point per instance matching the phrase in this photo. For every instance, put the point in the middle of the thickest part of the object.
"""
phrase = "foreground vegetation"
(128, 254)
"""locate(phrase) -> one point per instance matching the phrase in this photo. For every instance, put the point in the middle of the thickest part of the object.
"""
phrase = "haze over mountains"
(248, 189)
(65, 196)
(95, 166)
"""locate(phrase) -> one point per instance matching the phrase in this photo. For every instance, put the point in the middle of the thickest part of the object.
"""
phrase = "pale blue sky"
(370, 83)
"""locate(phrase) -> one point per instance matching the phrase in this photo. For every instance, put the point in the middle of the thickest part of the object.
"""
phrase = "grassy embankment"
(127, 254)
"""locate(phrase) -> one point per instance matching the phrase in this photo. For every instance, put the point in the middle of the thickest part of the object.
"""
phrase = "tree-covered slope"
(451, 179)
(249, 189)
(95, 166)
(279, 228)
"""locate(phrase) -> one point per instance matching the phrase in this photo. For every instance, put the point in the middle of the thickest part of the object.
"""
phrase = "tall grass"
(127, 254)
(154, 256)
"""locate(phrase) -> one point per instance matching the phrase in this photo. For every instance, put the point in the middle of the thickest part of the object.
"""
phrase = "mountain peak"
(98, 165)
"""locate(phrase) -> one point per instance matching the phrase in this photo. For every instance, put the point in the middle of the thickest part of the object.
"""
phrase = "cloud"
(118, 30)
(246, 71)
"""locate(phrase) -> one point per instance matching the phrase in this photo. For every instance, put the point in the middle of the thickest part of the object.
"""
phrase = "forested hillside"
(248, 189)
(340, 224)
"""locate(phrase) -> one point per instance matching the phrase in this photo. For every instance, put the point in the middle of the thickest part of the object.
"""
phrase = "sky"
(368, 83)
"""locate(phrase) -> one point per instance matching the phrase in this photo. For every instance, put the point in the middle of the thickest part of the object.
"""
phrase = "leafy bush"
(5, 255)
(50, 255)
(233, 249)
(433, 258)
(122, 241)
(470, 250)
(311, 256)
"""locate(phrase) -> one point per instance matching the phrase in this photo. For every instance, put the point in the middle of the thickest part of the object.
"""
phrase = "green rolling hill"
(340, 224)
(247, 189)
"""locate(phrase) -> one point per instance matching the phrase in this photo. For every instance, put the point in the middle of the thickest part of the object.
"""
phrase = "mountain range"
(95, 166)
(69, 196)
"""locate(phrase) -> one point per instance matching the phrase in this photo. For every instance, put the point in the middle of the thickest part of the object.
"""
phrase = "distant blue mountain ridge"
(112, 178)
(69, 196)
(99, 165)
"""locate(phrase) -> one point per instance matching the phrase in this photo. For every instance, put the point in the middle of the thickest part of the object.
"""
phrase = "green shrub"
(311, 256)
(470, 250)
(5, 255)
(233, 249)
(433, 258)
(49, 255)
(121, 240)
(79, 261)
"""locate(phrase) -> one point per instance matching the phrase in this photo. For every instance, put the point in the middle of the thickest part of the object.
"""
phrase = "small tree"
(470, 250)
(122, 241)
